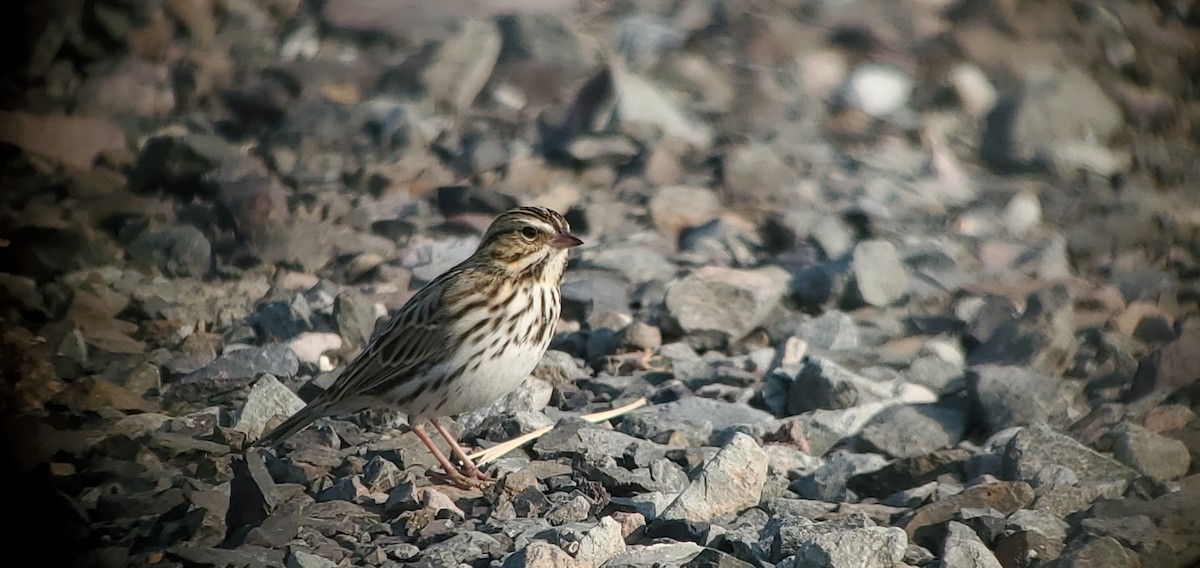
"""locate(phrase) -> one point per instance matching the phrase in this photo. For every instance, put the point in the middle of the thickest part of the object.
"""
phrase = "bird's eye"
(529, 233)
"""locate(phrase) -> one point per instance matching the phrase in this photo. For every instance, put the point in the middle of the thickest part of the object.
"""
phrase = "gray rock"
(251, 495)
(465, 547)
(935, 373)
(181, 250)
(962, 547)
(828, 481)
(283, 319)
(870, 547)
(346, 489)
(786, 461)
(697, 417)
(712, 558)
(675, 208)
(299, 559)
(832, 234)
(573, 510)
(644, 38)
(1155, 456)
(601, 542)
(268, 400)
(1063, 118)
(244, 555)
(665, 554)
(852, 540)
(558, 368)
(640, 336)
(381, 475)
(222, 304)
(816, 286)
(724, 241)
(636, 263)
(1037, 447)
(1041, 522)
(1103, 551)
(733, 480)
(532, 396)
(714, 306)
(540, 554)
(822, 384)
(429, 257)
(587, 292)
(462, 65)
(879, 274)
(1042, 338)
(546, 40)
(650, 505)
(647, 111)
(1013, 396)
(904, 430)
(233, 371)
(832, 331)
(354, 314)
(756, 175)
(571, 436)
(936, 270)
(825, 428)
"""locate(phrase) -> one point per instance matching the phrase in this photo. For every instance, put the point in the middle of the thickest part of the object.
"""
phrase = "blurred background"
(915, 190)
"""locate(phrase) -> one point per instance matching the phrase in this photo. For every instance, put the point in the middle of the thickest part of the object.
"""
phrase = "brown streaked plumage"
(465, 339)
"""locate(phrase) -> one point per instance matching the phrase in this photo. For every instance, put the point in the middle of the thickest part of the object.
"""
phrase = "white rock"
(732, 481)
(268, 399)
(973, 88)
(878, 90)
(1023, 213)
(310, 346)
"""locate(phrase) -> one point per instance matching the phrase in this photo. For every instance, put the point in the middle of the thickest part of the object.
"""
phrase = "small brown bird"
(464, 340)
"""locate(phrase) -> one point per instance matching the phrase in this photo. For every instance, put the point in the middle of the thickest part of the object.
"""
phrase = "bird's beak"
(565, 241)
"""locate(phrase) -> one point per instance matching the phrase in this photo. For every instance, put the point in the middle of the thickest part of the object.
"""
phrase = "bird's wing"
(416, 337)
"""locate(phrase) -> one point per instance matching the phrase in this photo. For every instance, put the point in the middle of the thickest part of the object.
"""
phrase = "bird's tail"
(293, 424)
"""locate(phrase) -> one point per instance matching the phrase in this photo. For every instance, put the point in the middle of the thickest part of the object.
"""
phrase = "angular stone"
(828, 481)
(879, 274)
(962, 547)
(540, 554)
(602, 542)
(1041, 339)
(1090, 553)
(663, 554)
(869, 547)
(462, 65)
(1003, 496)
(1014, 396)
(268, 400)
(74, 141)
(1038, 447)
(1173, 366)
(905, 473)
(716, 306)
(251, 495)
(1156, 456)
(678, 207)
(831, 331)
(905, 430)
(180, 250)
(733, 480)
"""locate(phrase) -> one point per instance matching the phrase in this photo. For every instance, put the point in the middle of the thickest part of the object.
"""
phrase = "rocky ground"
(905, 283)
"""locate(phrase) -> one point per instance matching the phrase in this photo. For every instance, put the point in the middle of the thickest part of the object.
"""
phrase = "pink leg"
(451, 471)
(460, 453)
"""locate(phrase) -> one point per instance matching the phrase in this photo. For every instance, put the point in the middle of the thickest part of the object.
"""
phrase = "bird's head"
(528, 240)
